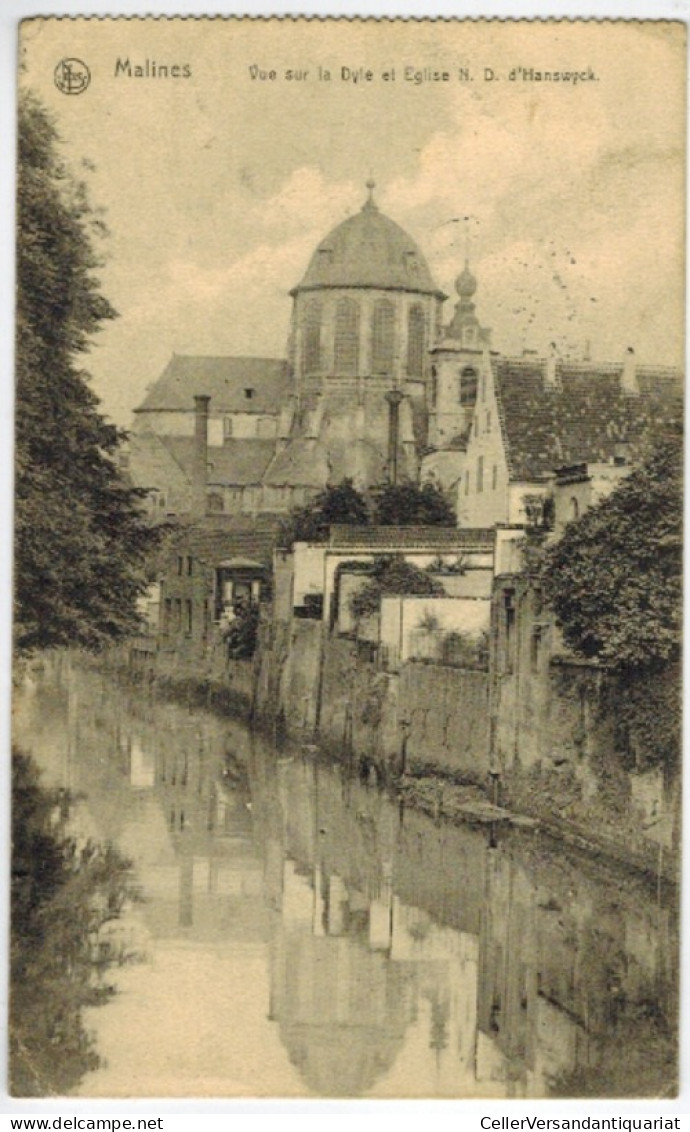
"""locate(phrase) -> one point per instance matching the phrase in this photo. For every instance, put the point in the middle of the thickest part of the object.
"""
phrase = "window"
(467, 483)
(188, 617)
(415, 341)
(468, 386)
(535, 649)
(494, 477)
(480, 473)
(167, 615)
(178, 614)
(488, 421)
(509, 611)
(382, 338)
(179, 564)
(311, 343)
(434, 387)
(346, 354)
(227, 426)
(574, 509)
(483, 389)
(248, 394)
(214, 502)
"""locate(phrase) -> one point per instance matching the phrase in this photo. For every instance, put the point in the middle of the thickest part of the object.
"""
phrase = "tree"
(340, 503)
(62, 897)
(407, 505)
(80, 536)
(614, 577)
(614, 581)
(391, 574)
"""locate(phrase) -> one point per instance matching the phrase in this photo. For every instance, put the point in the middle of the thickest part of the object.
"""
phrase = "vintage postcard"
(350, 370)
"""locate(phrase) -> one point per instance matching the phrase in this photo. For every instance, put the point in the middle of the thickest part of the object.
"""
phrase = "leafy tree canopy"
(341, 503)
(391, 574)
(614, 578)
(62, 896)
(407, 505)
(80, 536)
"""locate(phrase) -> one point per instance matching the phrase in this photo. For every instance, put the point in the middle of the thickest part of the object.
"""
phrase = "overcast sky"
(218, 187)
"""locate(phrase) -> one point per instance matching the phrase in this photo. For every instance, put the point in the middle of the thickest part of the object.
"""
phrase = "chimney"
(200, 462)
(551, 378)
(628, 375)
(393, 397)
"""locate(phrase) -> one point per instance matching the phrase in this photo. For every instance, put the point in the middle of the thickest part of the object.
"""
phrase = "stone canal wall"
(544, 731)
(447, 715)
(427, 717)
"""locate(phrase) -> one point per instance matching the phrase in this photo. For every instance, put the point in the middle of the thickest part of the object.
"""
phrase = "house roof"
(583, 417)
(226, 380)
(151, 464)
(302, 463)
(411, 538)
(240, 463)
(214, 544)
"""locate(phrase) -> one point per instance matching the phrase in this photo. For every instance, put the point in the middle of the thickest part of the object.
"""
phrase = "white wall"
(309, 570)
(401, 617)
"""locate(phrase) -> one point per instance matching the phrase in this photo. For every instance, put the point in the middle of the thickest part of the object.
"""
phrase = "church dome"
(369, 250)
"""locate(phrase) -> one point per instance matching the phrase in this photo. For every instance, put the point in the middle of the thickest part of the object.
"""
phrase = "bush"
(392, 575)
(407, 505)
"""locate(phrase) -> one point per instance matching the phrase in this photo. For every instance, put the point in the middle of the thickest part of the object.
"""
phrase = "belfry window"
(415, 341)
(468, 386)
(311, 343)
(346, 338)
(382, 338)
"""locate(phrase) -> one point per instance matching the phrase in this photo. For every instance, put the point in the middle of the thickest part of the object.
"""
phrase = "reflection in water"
(305, 935)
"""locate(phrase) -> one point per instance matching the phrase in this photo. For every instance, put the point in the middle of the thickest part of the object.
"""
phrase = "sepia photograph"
(346, 727)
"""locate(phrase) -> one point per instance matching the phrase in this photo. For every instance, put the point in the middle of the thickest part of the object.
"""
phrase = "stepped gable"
(225, 380)
(583, 416)
(238, 462)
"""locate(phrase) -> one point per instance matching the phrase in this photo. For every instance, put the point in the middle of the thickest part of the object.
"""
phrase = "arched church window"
(468, 386)
(383, 338)
(346, 338)
(311, 343)
(415, 341)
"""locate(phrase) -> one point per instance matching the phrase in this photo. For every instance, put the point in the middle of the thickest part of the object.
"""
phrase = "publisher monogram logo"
(72, 76)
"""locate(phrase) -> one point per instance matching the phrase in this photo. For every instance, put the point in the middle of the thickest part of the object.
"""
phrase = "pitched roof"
(213, 544)
(238, 462)
(581, 418)
(225, 380)
(411, 538)
(302, 463)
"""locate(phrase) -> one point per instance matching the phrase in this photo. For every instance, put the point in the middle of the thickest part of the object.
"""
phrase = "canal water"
(301, 933)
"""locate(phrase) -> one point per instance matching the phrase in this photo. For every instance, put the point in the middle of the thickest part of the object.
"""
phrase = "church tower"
(456, 363)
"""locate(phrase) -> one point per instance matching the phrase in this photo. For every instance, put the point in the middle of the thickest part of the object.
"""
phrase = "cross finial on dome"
(371, 185)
